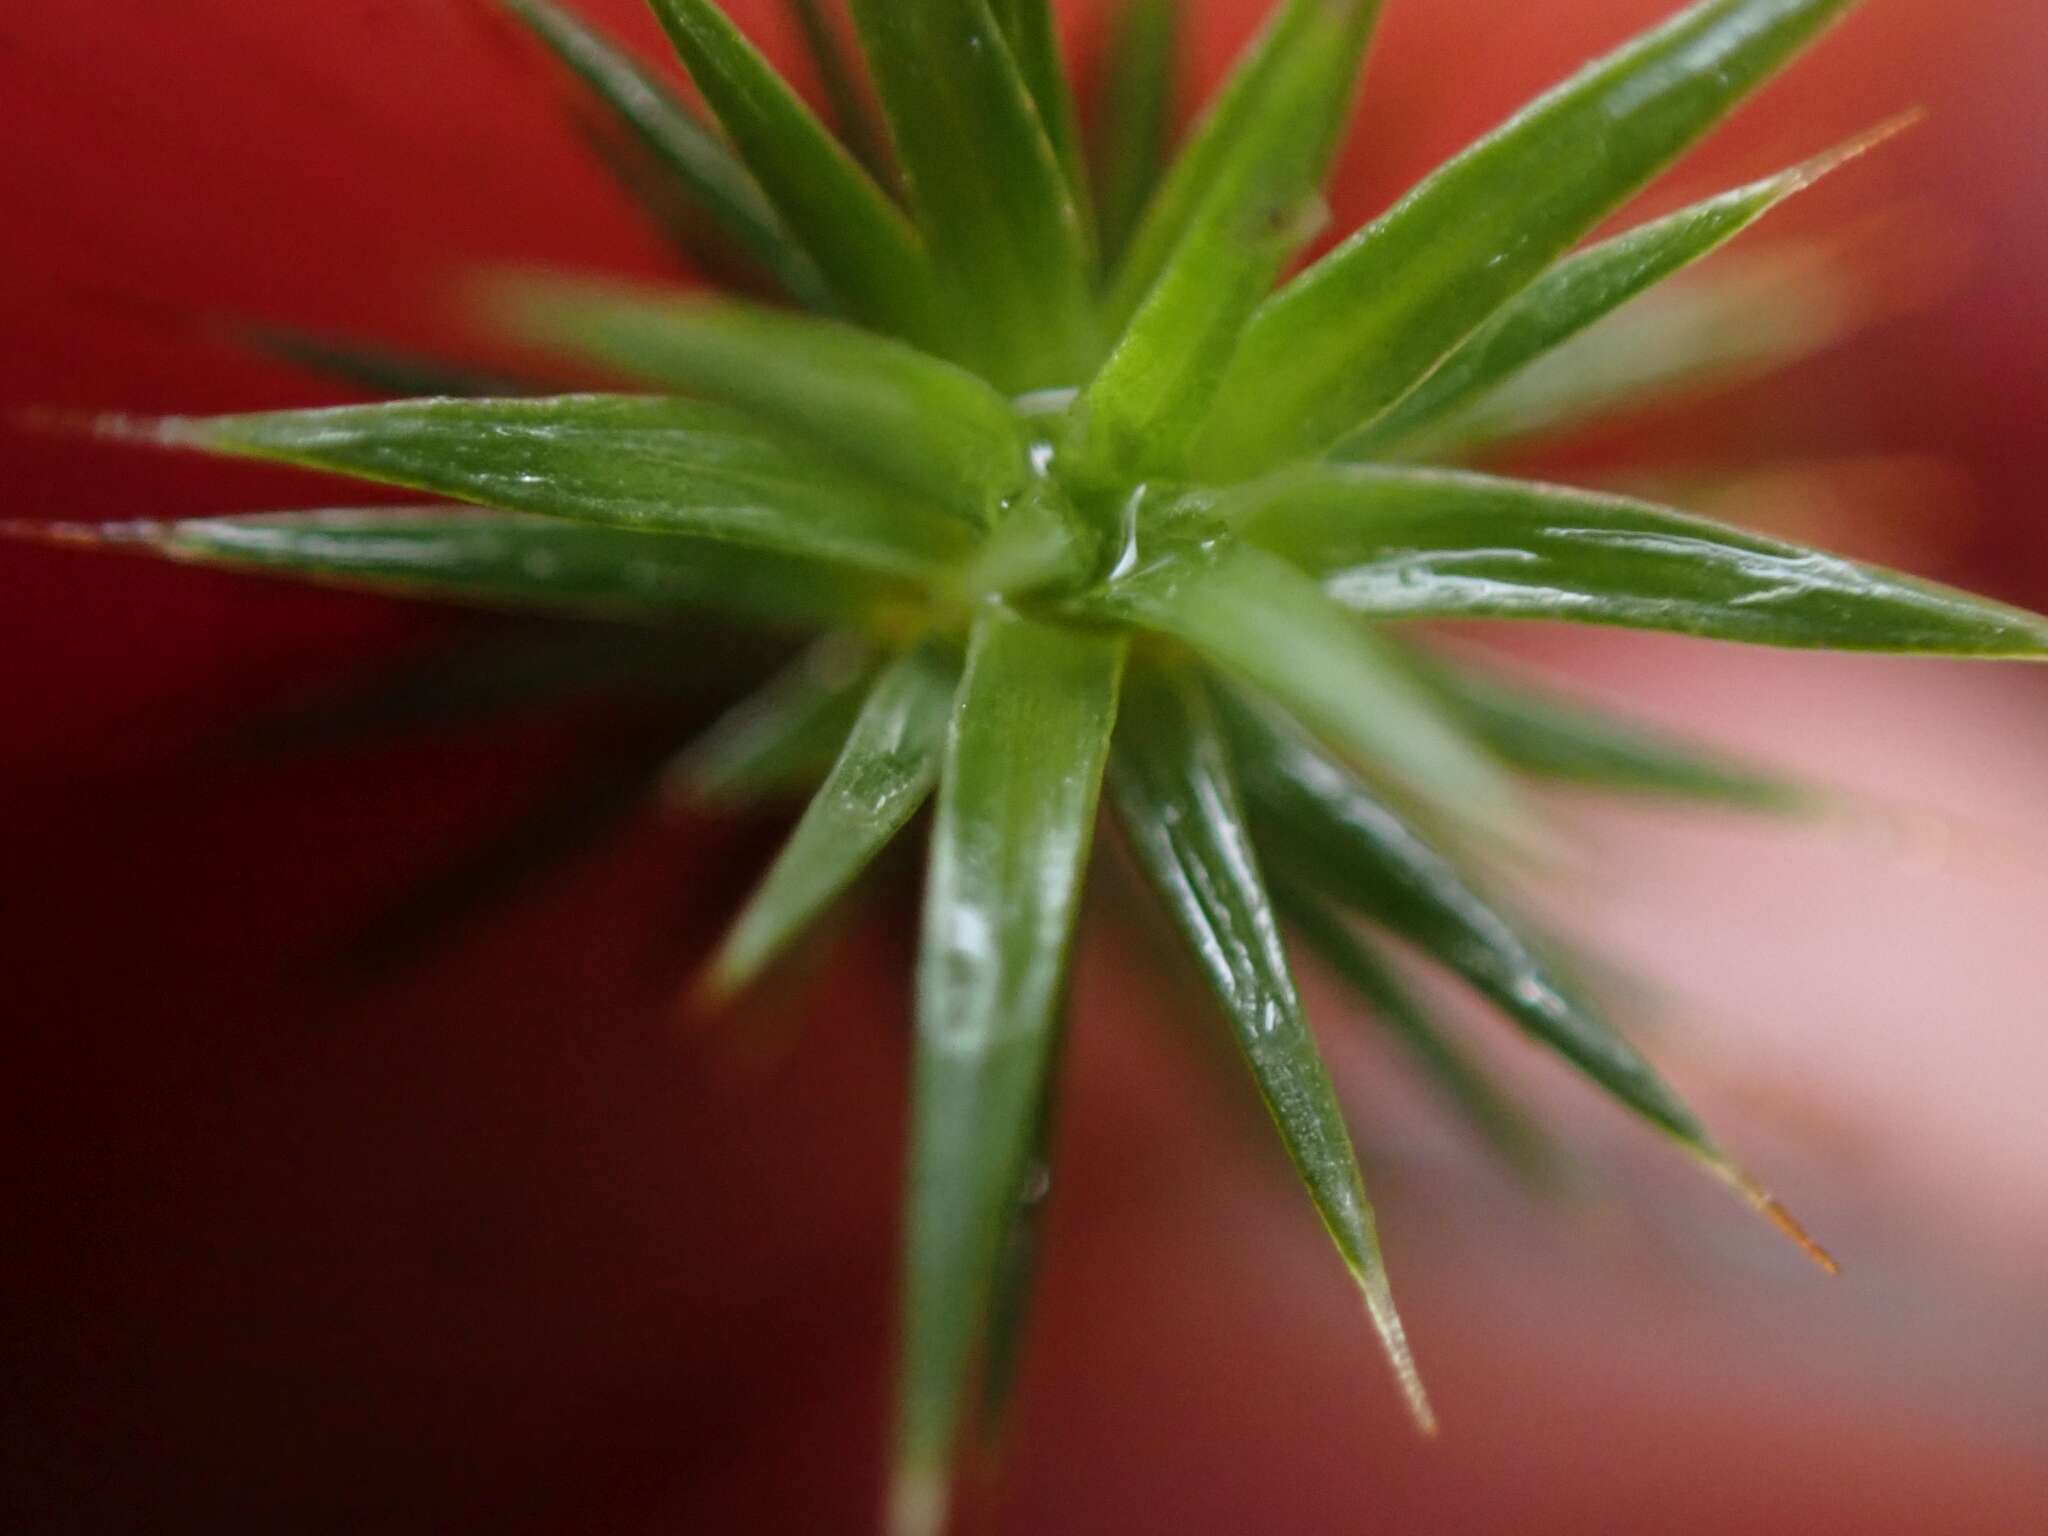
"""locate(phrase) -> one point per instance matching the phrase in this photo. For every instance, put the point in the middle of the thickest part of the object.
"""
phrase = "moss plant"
(1086, 502)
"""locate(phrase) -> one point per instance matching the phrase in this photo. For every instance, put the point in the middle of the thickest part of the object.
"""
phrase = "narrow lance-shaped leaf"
(1141, 410)
(1464, 1084)
(1354, 848)
(837, 77)
(1016, 813)
(1364, 325)
(1029, 28)
(1745, 316)
(1261, 619)
(870, 256)
(507, 561)
(902, 414)
(1175, 794)
(782, 739)
(987, 187)
(699, 165)
(1416, 543)
(1133, 98)
(651, 463)
(1009, 1312)
(378, 369)
(1581, 290)
(1293, 82)
(883, 774)
(1550, 736)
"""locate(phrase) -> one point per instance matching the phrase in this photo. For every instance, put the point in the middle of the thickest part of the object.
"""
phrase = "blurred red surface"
(503, 1244)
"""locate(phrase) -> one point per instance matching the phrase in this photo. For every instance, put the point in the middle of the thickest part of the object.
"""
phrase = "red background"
(504, 1243)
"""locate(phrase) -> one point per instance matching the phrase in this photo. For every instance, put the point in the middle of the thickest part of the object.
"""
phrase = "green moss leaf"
(870, 256)
(882, 775)
(1133, 103)
(838, 76)
(1016, 814)
(1367, 323)
(906, 416)
(987, 186)
(1411, 543)
(642, 462)
(1029, 28)
(698, 165)
(1175, 793)
(781, 740)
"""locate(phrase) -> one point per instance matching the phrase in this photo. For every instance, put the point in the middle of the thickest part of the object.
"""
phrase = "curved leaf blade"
(1143, 407)
(506, 561)
(1581, 290)
(1414, 543)
(1293, 82)
(649, 463)
(986, 184)
(1262, 620)
(698, 164)
(1363, 326)
(1175, 793)
(905, 416)
(882, 775)
(1016, 813)
(1029, 29)
(1133, 96)
(867, 250)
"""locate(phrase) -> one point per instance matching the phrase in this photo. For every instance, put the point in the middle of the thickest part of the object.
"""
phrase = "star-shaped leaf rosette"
(1085, 502)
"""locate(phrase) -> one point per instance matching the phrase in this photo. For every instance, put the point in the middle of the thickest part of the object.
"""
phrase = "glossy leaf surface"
(1543, 733)
(1367, 323)
(1133, 112)
(697, 162)
(1352, 847)
(1579, 291)
(987, 187)
(1261, 619)
(1465, 1086)
(1175, 793)
(782, 739)
(629, 461)
(1260, 206)
(904, 415)
(1412, 543)
(1016, 814)
(507, 561)
(867, 250)
(882, 775)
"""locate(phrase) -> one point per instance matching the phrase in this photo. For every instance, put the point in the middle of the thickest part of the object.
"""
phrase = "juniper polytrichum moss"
(1085, 497)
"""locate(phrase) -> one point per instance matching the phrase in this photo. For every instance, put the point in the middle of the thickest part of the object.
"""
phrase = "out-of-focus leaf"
(698, 163)
(1175, 793)
(1016, 813)
(1416, 543)
(1261, 619)
(1260, 206)
(509, 561)
(987, 188)
(1466, 1086)
(1291, 86)
(1133, 113)
(1033, 37)
(1581, 290)
(902, 414)
(837, 77)
(1543, 733)
(870, 256)
(631, 461)
(380, 370)
(1009, 1309)
(1364, 325)
(883, 774)
(1335, 835)
(780, 740)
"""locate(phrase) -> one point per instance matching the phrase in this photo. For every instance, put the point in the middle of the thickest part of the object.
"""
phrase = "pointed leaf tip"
(1386, 1322)
(918, 1501)
(1768, 1206)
